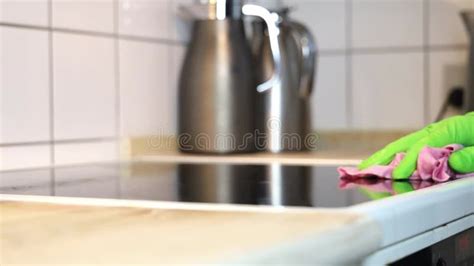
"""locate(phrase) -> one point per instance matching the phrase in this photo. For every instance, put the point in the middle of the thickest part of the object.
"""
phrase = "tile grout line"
(51, 97)
(118, 115)
(172, 77)
(51, 84)
(94, 33)
(426, 61)
(52, 142)
(327, 52)
(349, 66)
(117, 78)
(392, 50)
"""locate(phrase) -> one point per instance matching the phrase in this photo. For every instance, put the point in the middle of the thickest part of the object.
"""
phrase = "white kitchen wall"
(384, 64)
(76, 76)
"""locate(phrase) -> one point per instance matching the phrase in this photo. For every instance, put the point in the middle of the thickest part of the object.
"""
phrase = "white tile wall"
(388, 91)
(389, 23)
(147, 99)
(84, 87)
(180, 24)
(32, 12)
(325, 19)
(446, 27)
(329, 101)
(76, 153)
(90, 15)
(145, 18)
(14, 157)
(106, 87)
(447, 70)
(25, 87)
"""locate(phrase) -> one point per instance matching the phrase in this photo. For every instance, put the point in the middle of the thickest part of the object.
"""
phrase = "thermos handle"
(308, 57)
(272, 20)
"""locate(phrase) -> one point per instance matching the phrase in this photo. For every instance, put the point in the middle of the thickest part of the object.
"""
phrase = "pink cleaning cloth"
(432, 165)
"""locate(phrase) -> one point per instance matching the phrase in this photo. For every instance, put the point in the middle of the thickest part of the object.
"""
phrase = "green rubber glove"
(454, 130)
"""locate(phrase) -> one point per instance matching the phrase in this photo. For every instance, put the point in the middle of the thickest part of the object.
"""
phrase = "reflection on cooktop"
(274, 184)
(376, 188)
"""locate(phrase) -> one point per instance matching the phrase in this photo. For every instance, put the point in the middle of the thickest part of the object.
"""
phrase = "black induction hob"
(274, 184)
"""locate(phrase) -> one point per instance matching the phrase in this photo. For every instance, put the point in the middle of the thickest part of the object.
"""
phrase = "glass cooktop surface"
(274, 184)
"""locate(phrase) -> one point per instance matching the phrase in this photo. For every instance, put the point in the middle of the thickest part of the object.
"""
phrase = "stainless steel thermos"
(284, 109)
(227, 90)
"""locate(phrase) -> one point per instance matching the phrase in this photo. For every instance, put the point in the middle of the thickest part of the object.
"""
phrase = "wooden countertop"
(43, 233)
